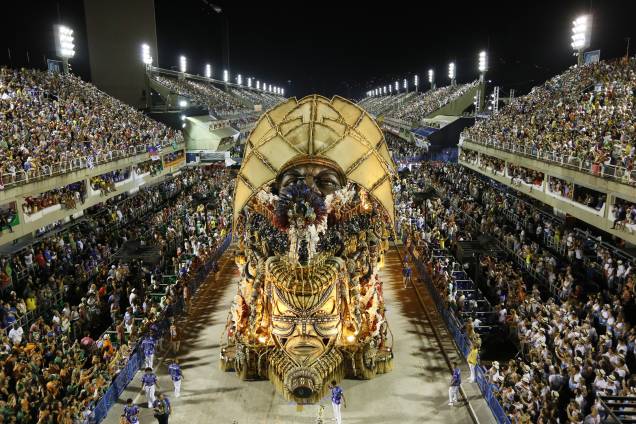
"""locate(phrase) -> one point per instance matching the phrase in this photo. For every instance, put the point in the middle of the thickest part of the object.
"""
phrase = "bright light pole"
(183, 64)
(581, 35)
(483, 65)
(65, 45)
(416, 82)
(239, 79)
(390, 89)
(226, 76)
(249, 82)
(208, 71)
(147, 60)
(258, 85)
(431, 78)
(145, 55)
(451, 72)
(405, 84)
(397, 87)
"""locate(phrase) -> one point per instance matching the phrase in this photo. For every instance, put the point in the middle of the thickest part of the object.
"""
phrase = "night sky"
(346, 48)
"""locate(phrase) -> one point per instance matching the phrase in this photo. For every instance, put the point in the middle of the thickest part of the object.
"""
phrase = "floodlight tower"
(397, 87)
(482, 65)
(208, 71)
(431, 78)
(146, 58)
(451, 73)
(416, 82)
(405, 84)
(64, 44)
(183, 64)
(226, 76)
(581, 36)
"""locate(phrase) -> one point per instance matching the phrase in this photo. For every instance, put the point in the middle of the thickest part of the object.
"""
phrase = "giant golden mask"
(313, 209)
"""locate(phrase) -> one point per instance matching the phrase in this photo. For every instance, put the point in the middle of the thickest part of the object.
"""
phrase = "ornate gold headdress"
(317, 129)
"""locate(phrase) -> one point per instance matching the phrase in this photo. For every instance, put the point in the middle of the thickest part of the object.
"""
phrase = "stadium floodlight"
(270, 88)
(145, 54)
(416, 82)
(65, 45)
(483, 62)
(264, 86)
(226, 75)
(282, 91)
(183, 103)
(397, 87)
(581, 35)
(431, 74)
(258, 85)
(208, 71)
(384, 90)
(405, 84)
(390, 89)
(183, 64)
(451, 72)
(239, 79)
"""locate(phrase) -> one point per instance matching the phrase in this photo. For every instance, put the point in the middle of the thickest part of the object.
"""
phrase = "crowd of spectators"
(49, 118)
(420, 105)
(58, 367)
(376, 105)
(150, 166)
(402, 149)
(576, 340)
(105, 183)
(585, 114)
(266, 100)
(219, 102)
(68, 196)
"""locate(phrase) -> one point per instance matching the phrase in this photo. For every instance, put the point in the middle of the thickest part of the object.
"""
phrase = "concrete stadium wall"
(116, 30)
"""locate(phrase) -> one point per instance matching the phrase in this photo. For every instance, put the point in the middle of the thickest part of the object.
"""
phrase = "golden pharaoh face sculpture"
(313, 193)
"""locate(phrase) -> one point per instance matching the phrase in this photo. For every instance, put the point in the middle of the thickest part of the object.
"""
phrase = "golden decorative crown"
(315, 129)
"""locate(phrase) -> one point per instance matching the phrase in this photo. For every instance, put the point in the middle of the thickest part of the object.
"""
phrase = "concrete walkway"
(416, 391)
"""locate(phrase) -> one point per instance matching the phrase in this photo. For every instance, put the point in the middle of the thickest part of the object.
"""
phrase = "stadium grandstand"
(454, 254)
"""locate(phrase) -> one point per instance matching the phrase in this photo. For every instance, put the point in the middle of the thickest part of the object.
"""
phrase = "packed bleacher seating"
(376, 105)
(402, 149)
(563, 298)
(53, 122)
(220, 102)
(582, 117)
(417, 107)
(76, 272)
(266, 100)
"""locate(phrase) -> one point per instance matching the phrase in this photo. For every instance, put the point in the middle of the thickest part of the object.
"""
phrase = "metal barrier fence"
(463, 344)
(127, 374)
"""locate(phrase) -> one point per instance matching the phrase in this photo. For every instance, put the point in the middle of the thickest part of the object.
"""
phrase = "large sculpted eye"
(328, 181)
(328, 308)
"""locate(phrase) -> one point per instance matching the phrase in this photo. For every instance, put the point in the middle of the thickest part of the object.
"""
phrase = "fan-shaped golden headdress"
(315, 128)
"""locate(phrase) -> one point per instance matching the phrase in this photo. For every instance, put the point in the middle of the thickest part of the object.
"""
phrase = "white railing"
(12, 179)
(616, 173)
